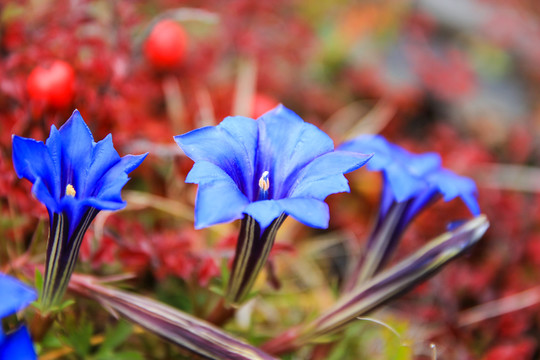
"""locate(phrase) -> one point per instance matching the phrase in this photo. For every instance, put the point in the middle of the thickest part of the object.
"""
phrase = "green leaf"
(38, 282)
(115, 336)
(51, 341)
(127, 355)
(51, 310)
(175, 292)
(64, 305)
(79, 338)
(224, 274)
(218, 290)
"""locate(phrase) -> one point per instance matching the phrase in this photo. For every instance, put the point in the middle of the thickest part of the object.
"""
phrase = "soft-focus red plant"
(521, 349)
(261, 104)
(439, 91)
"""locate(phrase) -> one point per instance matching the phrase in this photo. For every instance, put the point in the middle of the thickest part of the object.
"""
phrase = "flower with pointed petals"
(411, 183)
(261, 171)
(15, 297)
(75, 178)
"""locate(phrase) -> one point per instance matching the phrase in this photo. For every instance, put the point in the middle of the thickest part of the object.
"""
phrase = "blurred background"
(460, 77)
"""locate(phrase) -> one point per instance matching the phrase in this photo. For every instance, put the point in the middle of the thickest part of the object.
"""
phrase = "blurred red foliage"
(431, 70)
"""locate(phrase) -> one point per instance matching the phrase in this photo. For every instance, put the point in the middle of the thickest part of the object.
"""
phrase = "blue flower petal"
(131, 162)
(204, 172)
(110, 189)
(218, 197)
(404, 172)
(388, 153)
(264, 212)
(74, 209)
(471, 202)
(18, 345)
(286, 145)
(403, 185)
(218, 202)
(311, 212)
(451, 186)
(15, 296)
(42, 193)
(111, 183)
(104, 157)
(422, 164)
(324, 175)
(231, 145)
(367, 144)
(32, 160)
(111, 205)
(77, 144)
(54, 146)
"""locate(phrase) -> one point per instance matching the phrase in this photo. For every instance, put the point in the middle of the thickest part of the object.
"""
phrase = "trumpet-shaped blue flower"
(71, 173)
(75, 178)
(15, 297)
(411, 183)
(263, 170)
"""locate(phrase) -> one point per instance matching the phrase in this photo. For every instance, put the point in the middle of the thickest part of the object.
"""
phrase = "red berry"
(54, 85)
(166, 45)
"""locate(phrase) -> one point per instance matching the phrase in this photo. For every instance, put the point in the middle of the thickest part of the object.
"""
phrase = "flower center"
(264, 185)
(70, 190)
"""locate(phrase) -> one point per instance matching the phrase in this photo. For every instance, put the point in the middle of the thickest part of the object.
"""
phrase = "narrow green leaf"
(115, 336)
(38, 279)
(79, 338)
(125, 355)
(224, 271)
(66, 304)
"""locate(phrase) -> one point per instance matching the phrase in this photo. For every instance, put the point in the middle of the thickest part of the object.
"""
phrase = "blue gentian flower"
(261, 171)
(75, 178)
(411, 183)
(15, 297)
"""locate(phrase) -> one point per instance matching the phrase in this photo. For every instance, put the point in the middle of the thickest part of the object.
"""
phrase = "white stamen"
(264, 183)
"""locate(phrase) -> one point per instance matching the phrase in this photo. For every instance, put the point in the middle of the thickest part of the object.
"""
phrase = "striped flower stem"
(190, 333)
(62, 253)
(252, 251)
